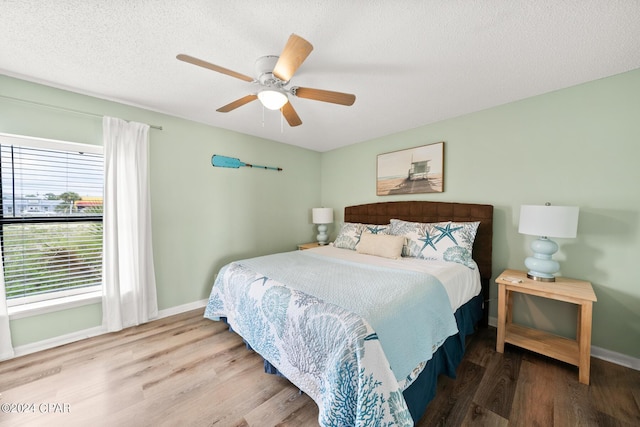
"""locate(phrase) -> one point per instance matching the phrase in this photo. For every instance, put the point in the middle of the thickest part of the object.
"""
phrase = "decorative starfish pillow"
(440, 241)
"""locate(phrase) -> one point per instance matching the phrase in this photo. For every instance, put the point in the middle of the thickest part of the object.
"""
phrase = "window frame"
(62, 296)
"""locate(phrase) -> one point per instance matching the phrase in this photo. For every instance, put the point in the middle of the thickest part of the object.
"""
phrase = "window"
(50, 218)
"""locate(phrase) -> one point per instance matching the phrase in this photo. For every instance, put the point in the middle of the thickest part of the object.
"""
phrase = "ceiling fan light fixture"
(274, 73)
(272, 99)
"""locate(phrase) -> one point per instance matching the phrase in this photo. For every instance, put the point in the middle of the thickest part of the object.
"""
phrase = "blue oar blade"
(226, 162)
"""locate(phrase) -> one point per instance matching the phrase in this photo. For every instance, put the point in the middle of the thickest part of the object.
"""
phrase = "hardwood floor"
(188, 371)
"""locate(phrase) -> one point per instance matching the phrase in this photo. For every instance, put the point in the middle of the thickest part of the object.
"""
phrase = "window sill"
(56, 304)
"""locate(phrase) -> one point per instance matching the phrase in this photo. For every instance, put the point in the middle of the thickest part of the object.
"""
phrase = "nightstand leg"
(502, 317)
(584, 341)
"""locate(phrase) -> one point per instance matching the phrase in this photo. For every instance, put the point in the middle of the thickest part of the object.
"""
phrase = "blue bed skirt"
(445, 360)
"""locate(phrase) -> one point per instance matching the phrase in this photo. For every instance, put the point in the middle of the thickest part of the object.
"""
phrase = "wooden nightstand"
(576, 352)
(304, 246)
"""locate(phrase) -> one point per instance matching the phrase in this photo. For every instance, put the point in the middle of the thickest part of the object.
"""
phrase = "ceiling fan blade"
(237, 103)
(324, 95)
(290, 114)
(205, 64)
(293, 55)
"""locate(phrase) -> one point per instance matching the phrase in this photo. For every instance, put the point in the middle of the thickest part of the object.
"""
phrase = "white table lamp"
(322, 217)
(546, 221)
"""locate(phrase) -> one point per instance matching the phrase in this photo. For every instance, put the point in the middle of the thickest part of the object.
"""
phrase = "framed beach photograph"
(411, 171)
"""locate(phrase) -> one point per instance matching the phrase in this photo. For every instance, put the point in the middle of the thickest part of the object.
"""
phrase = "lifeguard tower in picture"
(419, 170)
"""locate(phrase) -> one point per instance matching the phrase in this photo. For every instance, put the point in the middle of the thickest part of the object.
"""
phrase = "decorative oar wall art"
(231, 162)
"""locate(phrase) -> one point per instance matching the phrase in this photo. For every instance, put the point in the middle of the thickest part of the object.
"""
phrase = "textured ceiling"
(409, 63)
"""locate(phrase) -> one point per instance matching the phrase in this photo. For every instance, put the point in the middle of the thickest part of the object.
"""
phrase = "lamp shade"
(272, 99)
(322, 215)
(549, 221)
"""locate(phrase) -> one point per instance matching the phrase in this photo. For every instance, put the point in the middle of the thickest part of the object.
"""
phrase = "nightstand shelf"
(575, 352)
(555, 346)
(303, 246)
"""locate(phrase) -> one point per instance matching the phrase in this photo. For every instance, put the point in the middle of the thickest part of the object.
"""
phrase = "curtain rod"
(86, 113)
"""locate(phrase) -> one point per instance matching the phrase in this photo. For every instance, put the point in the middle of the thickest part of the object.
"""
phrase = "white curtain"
(129, 286)
(6, 349)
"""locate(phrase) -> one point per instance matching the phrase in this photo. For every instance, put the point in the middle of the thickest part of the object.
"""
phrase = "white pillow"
(383, 245)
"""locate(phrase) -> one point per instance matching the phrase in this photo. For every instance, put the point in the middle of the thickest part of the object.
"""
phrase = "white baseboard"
(493, 321)
(58, 341)
(181, 308)
(617, 358)
(95, 331)
(600, 353)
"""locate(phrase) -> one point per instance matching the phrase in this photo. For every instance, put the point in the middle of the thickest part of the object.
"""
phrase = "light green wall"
(34, 329)
(578, 146)
(203, 216)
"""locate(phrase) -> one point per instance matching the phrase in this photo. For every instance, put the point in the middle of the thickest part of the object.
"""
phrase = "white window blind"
(51, 218)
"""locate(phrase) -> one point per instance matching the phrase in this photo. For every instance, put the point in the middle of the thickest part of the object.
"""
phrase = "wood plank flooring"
(188, 371)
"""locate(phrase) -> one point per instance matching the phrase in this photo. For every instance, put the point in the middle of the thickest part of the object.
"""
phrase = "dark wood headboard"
(426, 211)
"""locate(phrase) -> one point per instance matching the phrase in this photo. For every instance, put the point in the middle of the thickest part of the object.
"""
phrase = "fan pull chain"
(263, 116)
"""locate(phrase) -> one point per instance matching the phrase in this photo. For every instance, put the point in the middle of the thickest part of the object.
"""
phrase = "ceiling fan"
(273, 75)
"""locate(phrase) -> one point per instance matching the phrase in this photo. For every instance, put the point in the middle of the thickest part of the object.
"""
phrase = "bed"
(372, 356)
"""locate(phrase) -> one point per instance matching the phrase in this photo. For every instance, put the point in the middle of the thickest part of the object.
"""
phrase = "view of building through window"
(51, 218)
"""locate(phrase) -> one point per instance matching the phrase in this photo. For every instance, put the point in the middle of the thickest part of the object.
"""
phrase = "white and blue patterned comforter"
(336, 329)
